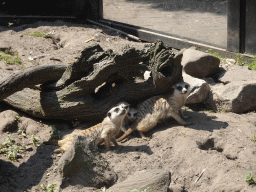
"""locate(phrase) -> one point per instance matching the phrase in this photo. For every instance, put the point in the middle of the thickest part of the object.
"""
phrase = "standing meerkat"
(161, 107)
(104, 131)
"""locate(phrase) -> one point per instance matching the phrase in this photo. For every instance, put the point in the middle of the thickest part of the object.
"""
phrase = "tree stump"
(89, 87)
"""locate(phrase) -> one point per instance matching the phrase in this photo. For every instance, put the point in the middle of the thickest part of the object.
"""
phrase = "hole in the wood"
(106, 89)
(167, 71)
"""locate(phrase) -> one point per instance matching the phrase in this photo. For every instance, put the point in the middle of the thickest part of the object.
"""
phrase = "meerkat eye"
(109, 114)
(179, 88)
(126, 107)
(116, 110)
(186, 86)
(129, 114)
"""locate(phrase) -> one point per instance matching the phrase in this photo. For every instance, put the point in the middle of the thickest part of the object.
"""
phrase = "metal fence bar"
(250, 33)
(151, 36)
(235, 26)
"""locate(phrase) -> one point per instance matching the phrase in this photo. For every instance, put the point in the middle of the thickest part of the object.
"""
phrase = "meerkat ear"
(109, 114)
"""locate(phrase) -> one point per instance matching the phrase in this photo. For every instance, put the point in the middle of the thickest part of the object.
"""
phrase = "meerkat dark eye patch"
(129, 114)
(109, 114)
(116, 110)
(135, 114)
(179, 88)
(186, 86)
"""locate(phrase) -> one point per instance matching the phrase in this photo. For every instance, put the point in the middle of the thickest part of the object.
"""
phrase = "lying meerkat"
(158, 108)
(104, 131)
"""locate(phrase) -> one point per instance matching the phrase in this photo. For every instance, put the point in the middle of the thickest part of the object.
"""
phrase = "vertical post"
(250, 45)
(236, 25)
(88, 9)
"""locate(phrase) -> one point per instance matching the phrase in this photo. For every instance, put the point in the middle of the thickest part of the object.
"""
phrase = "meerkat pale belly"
(157, 108)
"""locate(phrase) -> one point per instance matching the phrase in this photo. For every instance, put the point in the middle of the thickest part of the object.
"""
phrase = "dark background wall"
(82, 9)
(29, 7)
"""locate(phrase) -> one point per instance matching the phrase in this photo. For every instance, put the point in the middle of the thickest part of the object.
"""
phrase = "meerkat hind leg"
(107, 143)
(179, 119)
(114, 142)
(182, 114)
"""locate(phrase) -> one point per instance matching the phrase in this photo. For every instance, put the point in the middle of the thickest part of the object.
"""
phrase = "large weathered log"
(29, 77)
(98, 80)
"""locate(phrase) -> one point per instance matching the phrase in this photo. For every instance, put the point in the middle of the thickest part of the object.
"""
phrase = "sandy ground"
(220, 143)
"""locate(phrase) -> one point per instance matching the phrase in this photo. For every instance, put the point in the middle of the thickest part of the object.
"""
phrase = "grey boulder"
(82, 165)
(199, 64)
(237, 97)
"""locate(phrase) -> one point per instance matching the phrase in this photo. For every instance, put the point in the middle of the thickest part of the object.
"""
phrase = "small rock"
(199, 89)
(32, 129)
(8, 124)
(199, 64)
(8, 121)
(158, 178)
(29, 149)
(30, 125)
(231, 61)
(30, 58)
(176, 187)
(147, 75)
(136, 157)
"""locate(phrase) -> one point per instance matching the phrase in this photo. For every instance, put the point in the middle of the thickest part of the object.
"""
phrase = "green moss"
(8, 57)
(37, 34)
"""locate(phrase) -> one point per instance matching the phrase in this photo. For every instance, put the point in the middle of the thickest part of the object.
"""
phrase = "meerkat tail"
(128, 132)
(58, 151)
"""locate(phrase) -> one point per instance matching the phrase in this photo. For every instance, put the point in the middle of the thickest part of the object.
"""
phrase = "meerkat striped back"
(150, 110)
(157, 108)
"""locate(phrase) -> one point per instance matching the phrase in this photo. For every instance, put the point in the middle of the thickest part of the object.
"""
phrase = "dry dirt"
(220, 143)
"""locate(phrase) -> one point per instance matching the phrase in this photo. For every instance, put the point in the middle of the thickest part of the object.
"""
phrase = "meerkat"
(161, 107)
(104, 131)
(129, 118)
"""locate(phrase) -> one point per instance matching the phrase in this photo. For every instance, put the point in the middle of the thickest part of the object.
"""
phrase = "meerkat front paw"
(186, 117)
(188, 123)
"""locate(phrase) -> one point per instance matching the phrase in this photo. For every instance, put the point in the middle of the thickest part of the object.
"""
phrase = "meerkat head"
(132, 114)
(182, 88)
(118, 112)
